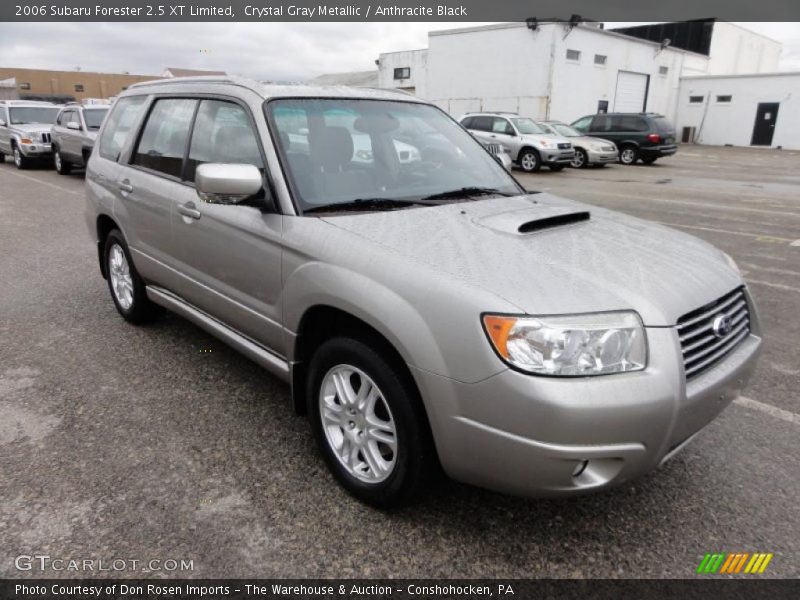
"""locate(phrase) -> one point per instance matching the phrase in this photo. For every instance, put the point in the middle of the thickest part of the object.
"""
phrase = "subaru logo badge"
(721, 325)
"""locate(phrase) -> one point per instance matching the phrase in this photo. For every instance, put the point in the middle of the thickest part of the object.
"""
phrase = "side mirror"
(74, 125)
(219, 183)
(2, 123)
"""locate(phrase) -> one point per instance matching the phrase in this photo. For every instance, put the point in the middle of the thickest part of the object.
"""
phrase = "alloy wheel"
(529, 161)
(579, 159)
(358, 424)
(57, 160)
(120, 273)
(628, 156)
(17, 157)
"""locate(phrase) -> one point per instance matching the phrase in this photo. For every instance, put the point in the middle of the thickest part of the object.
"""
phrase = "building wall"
(732, 123)
(416, 60)
(95, 85)
(503, 67)
(736, 50)
(579, 85)
(508, 67)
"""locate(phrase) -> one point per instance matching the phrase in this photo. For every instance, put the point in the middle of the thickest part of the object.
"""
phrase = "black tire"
(415, 461)
(20, 161)
(649, 161)
(62, 167)
(2, 158)
(628, 155)
(557, 168)
(529, 160)
(581, 160)
(141, 309)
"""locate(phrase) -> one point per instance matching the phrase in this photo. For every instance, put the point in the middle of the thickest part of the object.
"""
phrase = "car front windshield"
(565, 130)
(22, 115)
(379, 153)
(527, 126)
(94, 117)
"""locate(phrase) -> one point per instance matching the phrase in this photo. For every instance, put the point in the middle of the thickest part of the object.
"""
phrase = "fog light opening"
(580, 468)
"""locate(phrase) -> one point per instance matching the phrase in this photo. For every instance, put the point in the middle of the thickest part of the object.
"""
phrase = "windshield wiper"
(365, 204)
(466, 192)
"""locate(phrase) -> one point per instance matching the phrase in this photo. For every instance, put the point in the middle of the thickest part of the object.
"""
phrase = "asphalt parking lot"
(162, 443)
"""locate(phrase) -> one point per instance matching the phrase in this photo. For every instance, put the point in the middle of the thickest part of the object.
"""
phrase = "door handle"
(189, 210)
(492, 136)
(125, 186)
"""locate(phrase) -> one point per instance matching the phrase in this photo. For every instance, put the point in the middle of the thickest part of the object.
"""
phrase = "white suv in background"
(523, 139)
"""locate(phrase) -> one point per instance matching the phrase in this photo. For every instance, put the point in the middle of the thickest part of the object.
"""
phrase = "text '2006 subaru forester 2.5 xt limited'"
(427, 311)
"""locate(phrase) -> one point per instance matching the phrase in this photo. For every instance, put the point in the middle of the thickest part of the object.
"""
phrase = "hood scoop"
(531, 220)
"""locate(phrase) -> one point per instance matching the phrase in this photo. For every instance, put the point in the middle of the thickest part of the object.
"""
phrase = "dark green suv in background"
(645, 136)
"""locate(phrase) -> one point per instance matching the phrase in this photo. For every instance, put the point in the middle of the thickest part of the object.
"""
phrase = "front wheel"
(580, 160)
(628, 155)
(368, 423)
(529, 161)
(20, 161)
(126, 286)
(62, 166)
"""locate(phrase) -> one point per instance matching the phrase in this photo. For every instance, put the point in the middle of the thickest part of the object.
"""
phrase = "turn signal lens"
(25, 141)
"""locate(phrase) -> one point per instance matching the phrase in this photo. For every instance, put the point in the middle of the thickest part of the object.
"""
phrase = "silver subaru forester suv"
(428, 312)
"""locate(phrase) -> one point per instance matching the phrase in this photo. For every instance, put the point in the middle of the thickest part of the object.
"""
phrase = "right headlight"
(570, 345)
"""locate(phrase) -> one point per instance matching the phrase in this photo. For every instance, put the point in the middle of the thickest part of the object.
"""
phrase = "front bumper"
(539, 436)
(602, 157)
(36, 150)
(557, 156)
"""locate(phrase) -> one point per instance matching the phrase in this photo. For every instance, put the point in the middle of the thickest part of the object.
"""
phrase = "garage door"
(631, 92)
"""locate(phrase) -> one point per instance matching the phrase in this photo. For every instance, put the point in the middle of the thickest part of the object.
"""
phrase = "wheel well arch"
(632, 143)
(322, 322)
(105, 225)
(524, 148)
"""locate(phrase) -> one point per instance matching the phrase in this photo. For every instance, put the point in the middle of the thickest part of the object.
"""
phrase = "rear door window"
(121, 121)
(164, 137)
(482, 123)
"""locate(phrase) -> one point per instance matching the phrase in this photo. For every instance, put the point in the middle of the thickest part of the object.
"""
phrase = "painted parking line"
(725, 207)
(777, 286)
(758, 236)
(35, 180)
(774, 411)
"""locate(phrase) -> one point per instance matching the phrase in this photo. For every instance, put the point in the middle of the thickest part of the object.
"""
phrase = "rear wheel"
(62, 166)
(628, 155)
(126, 286)
(581, 160)
(529, 161)
(368, 423)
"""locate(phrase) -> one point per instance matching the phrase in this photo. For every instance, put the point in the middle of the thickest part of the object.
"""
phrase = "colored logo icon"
(734, 562)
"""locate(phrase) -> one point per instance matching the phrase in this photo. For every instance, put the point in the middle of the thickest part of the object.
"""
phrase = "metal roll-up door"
(631, 95)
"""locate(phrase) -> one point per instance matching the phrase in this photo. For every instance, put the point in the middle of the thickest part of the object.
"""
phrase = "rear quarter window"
(663, 125)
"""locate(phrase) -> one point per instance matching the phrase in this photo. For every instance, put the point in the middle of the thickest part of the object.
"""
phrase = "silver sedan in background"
(588, 150)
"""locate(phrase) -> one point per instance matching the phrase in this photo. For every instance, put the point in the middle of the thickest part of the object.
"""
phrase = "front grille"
(702, 346)
(564, 146)
(46, 138)
(493, 148)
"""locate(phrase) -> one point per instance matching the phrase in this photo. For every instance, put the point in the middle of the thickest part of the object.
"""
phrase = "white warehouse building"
(563, 70)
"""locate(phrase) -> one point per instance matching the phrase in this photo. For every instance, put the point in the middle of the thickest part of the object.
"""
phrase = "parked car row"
(532, 144)
(41, 131)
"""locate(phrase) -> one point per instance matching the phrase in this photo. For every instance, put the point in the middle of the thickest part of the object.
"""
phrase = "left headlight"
(570, 345)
